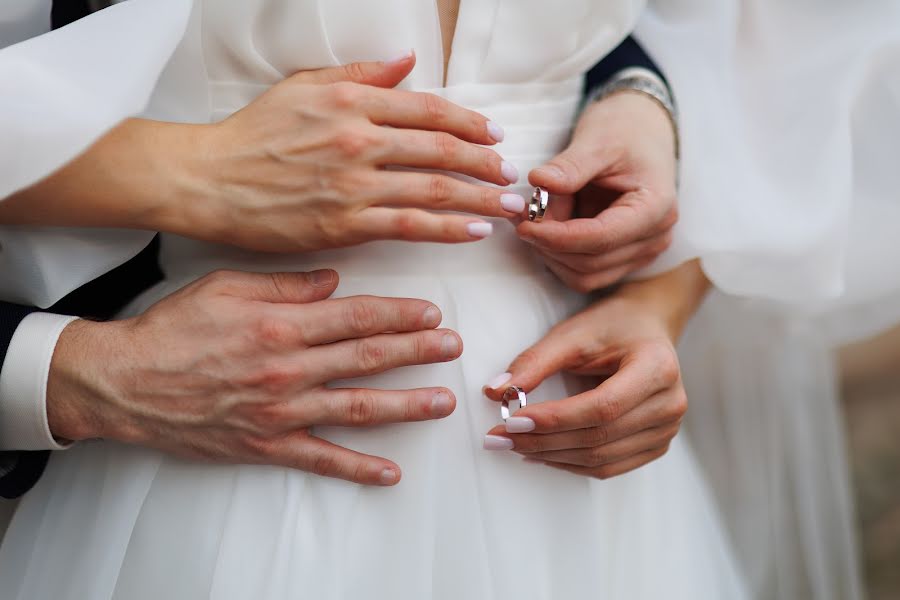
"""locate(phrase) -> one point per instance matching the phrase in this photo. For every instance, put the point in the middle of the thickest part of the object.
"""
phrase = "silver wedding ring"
(540, 199)
(513, 395)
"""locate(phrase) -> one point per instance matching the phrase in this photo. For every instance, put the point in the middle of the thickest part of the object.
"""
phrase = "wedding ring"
(540, 199)
(515, 395)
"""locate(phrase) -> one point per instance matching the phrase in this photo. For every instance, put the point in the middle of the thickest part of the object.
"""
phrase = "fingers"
(293, 288)
(384, 74)
(641, 375)
(637, 215)
(419, 110)
(380, 353)
(571, 170)
(596, 456)
(597, 263)
(360, 316)
(416, 225)
(437, 192)
(586, 283)
(664, 410)
(549, 356)
(347, 407)
(613, 469)
(317, 456)
(442, 151)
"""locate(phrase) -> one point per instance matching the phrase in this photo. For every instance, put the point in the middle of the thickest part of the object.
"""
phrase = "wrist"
(79, 386)
(674, 296)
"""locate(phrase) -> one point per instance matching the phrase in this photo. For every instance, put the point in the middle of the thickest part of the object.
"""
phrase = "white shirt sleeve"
(23, 384)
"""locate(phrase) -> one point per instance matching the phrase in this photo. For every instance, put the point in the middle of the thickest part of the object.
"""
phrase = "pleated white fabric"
(464, 523)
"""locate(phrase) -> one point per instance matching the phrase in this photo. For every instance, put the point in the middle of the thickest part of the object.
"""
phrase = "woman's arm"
(301, 168)
(630, 419)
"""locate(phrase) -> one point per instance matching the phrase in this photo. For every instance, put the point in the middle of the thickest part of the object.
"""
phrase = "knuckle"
(608, 409)
(273, 332)
(371, 357)
(324, 464)
(597, 457)
(596, 436)
(353, 142)
(273, 378)
(362, 408)
(435, 108)
(583, 284)
(447, 147)
(671, 217)
(603, 472)
(347, 94)
(406, 226)
(438, 189)
(361, 315)
(218, 278)
(667, 367)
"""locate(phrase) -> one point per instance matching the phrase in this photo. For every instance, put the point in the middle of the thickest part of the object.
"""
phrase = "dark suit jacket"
(102, 298)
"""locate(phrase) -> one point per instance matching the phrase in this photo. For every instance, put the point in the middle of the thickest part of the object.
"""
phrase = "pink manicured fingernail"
(399, 57)
(388, 477)
(499, 380)
(496, 442)
(509, 171)
(519, 425)
(495, 131)
(441, 404)
(480, 230)
(513, 203)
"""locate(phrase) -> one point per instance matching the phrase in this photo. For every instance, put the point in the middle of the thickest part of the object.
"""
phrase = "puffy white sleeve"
(790, 117)
(59, 92)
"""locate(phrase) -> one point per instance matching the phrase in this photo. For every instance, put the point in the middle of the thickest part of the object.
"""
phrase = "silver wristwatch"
(643, 81)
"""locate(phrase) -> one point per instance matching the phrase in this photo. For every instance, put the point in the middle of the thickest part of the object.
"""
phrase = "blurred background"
(871, 386)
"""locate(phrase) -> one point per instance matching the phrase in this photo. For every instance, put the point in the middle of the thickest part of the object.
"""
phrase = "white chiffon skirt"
(114, 522)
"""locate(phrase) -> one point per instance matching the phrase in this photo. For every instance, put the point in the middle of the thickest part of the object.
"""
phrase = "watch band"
(643, 81)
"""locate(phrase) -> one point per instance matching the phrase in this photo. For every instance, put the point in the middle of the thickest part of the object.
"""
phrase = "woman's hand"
(301, 168)
(621, 168)
(631, 417)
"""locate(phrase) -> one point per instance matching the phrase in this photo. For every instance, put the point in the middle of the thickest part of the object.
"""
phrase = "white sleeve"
(23, 383)
(59, 92)
(790, 124)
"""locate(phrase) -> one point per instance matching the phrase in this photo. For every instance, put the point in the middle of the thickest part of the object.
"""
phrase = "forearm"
(131, 178)
(675, 295)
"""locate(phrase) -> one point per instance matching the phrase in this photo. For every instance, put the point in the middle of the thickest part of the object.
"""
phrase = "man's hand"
(621, 169)
(234, 368)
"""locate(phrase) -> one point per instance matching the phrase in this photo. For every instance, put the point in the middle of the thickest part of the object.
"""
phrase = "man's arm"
(24, 362)
(627, 55)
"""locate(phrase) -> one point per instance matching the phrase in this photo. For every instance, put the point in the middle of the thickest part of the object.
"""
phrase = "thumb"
(548, 357)
(279, 288)
(568, 171)
(384, 74)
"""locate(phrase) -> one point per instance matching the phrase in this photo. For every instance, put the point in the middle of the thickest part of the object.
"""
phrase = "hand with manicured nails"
(628, 420)
(620, 167)
(303, 167)
(233, 368)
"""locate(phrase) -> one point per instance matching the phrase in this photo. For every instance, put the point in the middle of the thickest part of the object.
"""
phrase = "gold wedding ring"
(514, 395)
(540, 200)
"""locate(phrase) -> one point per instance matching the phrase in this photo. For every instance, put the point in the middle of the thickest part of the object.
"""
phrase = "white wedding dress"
(114, 522)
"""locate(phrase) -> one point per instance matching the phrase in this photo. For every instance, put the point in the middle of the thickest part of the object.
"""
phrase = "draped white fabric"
(791, 115)
(59, 92)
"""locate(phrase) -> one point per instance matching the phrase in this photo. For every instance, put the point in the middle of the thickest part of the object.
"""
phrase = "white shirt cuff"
(23, 383)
